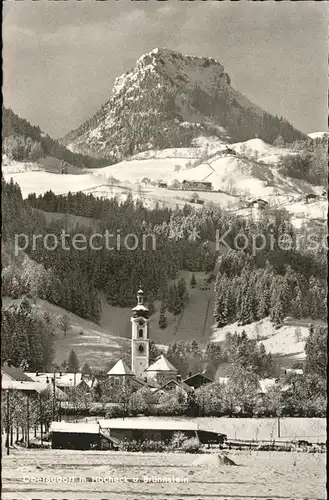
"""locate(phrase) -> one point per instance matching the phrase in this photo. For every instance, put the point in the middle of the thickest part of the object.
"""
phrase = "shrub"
(97, 412)
(191, 445)
(144, 446)
(156, 446)
(114, 412)
(177, 440)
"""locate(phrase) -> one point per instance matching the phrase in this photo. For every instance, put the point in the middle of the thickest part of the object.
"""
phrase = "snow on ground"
(227, 173)
(317, 135)
(235, 175)
(192, 153)
(40, 182)
(115, 475)
(287, 340)
(313, 210)
(135, 170)
(10, 166)
(260, 149)
(211, 144)
(97, 345)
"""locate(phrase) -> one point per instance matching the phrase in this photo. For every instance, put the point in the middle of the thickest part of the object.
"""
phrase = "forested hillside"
(22, 141)
(311, 163)
(290, 280)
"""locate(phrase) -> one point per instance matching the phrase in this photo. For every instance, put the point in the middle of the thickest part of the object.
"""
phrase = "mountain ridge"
(25, 142)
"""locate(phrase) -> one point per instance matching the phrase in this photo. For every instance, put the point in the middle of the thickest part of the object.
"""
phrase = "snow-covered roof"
(140, 307)
(148, 423)
(79, 428)
(61, 379)
(120, 368)
(161, 365)
(15, 385)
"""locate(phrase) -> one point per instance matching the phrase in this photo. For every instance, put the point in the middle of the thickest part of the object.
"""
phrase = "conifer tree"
(162, 318)
(246, 315)
(150, 304)
(193, 281)
(171, 299)
(297, 306)
(86, 370)
(276, 313)
(73, 362)
(221, 310)
(182, 292)
(177, 301)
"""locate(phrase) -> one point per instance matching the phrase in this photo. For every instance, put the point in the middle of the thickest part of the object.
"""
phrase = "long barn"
(140, 429)
(108, 433)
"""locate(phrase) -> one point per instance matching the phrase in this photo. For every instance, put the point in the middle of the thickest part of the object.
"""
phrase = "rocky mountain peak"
(167, 100)
(185, 71)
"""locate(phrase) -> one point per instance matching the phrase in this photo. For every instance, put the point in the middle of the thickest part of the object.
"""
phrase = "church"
(142, 371)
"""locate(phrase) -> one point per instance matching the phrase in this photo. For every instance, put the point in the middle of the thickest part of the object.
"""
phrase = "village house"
(176, 385)
(258, 208)
(310, 198)
(197, 380)
(63, 381)
(13, 379)
(10, 373)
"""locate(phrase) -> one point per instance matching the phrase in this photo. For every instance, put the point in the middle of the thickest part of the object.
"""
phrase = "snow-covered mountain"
(168, 100)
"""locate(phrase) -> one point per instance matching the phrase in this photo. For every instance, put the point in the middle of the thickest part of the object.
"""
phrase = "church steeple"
(139, 336)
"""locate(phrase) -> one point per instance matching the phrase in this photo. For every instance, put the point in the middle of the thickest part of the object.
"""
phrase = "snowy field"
(240, 175)
(77, 475)
(289, 340)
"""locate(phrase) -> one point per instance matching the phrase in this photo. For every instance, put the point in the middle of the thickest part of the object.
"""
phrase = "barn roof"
(120, 368)
(148, 424)
(161, 365)
(75, 428)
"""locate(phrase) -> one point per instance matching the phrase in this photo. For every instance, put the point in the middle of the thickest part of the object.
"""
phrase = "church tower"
(140, 348)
